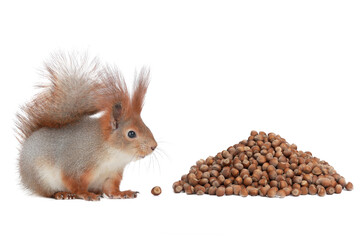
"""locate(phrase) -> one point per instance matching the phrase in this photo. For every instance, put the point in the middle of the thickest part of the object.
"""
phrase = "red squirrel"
(66, 152)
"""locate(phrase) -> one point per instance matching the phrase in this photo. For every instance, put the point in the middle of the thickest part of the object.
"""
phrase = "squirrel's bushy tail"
(70, 94)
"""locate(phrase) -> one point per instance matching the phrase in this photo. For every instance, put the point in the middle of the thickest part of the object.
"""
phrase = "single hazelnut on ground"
(349, 186)
(156, 191)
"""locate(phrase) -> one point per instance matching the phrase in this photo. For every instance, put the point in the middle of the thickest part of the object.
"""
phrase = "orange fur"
(114, 91)
(111, 185)
(79, 186)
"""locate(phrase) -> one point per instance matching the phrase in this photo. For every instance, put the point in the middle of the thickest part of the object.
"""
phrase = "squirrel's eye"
(131, 134)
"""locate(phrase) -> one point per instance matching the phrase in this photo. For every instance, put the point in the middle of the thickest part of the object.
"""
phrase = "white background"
(219, 70)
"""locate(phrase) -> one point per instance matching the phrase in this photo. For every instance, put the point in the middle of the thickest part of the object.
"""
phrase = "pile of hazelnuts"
(264, 165)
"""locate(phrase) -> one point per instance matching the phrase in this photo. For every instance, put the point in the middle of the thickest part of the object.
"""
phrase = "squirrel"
(65, 151)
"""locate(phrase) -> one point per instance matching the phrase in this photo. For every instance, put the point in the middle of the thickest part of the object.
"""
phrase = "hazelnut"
(229, 190)
(177, 188)
(238, 180)
(227, 182)
(273, 183)
(247, 181)
(226, 172)
(289, 173)
(321, 191)
(193, 181)
(272, 192)
(324, 182)
(297, 179)
(254, 133)
(203, 168)
(261, 159)
(203, 181)
(221, 179)
(262, 182)
(212, 190)
(214, 173)
(287, 190)
(317, 171)
(307, 169)
(287, 152)
(252, 191)
(220, 191)
(217, 167)
(312, 189)
(330, 190)
(283, 184)
(338, 189)
(296, 192)
(281, 193)
(238, 166)
(342, 182)
(226, 162)
(304, 190)
(156, 191)
(189, 189)
(236, 189)
(234, 172)
(263, 190)
(272, 175)
(243, 192)
(349, 186)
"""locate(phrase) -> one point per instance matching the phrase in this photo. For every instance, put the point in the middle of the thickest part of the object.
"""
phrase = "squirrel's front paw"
(122, 194)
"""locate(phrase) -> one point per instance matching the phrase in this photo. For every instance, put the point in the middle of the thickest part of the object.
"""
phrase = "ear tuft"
(140, 89)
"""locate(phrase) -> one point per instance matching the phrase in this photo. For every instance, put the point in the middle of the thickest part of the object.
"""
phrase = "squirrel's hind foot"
(64, 195)
(123, 194)
(88, 196)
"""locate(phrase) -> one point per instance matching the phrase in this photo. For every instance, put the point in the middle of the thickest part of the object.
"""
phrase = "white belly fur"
(114, 162)
(50, 176)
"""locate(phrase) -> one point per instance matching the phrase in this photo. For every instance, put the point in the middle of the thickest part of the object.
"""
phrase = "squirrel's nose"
(153, 147)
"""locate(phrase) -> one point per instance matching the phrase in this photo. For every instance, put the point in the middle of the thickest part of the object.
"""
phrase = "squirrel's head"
(122, 125)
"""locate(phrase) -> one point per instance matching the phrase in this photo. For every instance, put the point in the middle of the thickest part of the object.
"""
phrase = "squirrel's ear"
(116, 113)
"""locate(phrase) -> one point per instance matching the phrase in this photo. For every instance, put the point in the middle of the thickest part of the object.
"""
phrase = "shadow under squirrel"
(65, 152)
